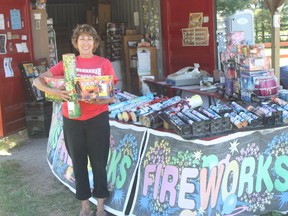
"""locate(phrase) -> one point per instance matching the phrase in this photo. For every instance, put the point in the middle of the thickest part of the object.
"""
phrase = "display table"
(158, 173)
(163, 88)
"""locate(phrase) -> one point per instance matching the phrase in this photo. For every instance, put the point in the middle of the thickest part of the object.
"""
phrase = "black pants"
(89, 138)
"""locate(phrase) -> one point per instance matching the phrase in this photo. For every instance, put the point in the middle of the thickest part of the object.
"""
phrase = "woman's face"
(85, 45)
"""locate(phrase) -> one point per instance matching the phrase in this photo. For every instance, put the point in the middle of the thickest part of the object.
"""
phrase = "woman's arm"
(40, 83)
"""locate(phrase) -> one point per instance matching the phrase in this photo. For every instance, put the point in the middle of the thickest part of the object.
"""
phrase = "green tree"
(262, 22)
(284, 18)
(229, 7)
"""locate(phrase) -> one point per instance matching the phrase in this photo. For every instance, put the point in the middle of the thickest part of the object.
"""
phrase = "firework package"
(91, 88)
(54, 82)
(69, 63)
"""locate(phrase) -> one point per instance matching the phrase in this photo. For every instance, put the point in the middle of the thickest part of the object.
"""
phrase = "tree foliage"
(229, 7)
(262, 16)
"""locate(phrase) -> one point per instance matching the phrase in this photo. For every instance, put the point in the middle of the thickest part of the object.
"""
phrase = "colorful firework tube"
(252, 121)
(233, 120)
(269, 108)
(284, 112)
(238, 108)
(184, 128)
(256, 111)
(266, 111)
(190, 115)
(125, 116)
(210, 113)
(117, 106)
(279, 101)
(260, 111)
(250, 114)
(144, 109)
(242, 120)
(129, 114)
(200, 115)
(151, 120)
(184, 118)
(120, 107)
(140, 112)
(221, 108)
(69, 64)
(162, 105)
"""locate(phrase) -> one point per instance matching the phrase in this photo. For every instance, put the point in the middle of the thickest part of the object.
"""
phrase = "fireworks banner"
(126, 143)
(244, 173)
(125, 147)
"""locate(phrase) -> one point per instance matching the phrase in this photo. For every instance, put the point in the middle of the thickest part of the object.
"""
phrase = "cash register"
(186, 76)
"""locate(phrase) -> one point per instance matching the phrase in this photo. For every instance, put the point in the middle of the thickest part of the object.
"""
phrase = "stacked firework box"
(195, 123)
(251, 117)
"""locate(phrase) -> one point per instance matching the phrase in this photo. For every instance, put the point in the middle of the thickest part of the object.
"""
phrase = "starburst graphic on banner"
(233, 146)
(198, 155)
(201, 211)
(118, 197)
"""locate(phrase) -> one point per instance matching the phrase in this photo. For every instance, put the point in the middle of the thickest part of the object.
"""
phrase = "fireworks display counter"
(151, 172)
(163, 88)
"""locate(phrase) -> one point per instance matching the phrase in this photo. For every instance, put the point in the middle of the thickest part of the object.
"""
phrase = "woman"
(88, 135)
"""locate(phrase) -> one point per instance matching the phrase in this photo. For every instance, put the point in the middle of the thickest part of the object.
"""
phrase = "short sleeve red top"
(94, 66)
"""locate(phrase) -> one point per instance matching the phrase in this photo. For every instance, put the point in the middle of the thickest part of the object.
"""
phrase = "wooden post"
(275, 9)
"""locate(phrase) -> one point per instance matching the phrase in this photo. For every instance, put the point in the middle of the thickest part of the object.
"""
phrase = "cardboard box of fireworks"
(85, 88)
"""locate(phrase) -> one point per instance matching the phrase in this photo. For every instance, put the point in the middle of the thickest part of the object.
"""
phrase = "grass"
(19, 196)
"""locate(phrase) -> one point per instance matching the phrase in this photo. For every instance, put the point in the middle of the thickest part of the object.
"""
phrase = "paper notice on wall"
(144, 62)
(7, 67)
(2, 22)
(24, 47)
(15, 19)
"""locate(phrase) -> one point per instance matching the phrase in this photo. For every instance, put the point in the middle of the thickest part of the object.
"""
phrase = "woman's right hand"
(61, 93)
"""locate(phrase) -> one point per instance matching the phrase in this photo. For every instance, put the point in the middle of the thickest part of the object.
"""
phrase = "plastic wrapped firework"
(189, 114)
(114, 109)
(209, 112)
(284, 112)
(221, 108)
(235, 121)
(266, 115)
(280, 102)
(185, 118)
(237, 107)
(200, 115)
(243, 121)
(69, 63)
(181, 128)
(143, 109)
(253, 121)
